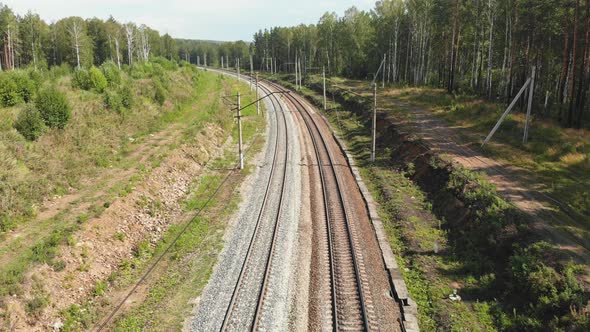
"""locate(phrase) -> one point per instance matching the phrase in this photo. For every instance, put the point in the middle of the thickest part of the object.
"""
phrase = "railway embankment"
(469, 257)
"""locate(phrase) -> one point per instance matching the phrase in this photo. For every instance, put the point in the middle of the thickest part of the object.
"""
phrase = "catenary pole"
(240, 152)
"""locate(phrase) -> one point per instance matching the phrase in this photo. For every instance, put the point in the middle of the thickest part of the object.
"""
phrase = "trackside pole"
(529, 106)
(238, 68)
(324, 76)
(251, 73)
(528, 81)
(374, 122)
(258, 102)
(240, 152)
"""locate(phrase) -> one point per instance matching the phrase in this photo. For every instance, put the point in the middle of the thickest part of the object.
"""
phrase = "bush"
(113, 101)
(111, 72)
(54, 108)
(30, 123)
(98, 81)
(160, 93)
(16, 87)
(81, 79)
(127, 97)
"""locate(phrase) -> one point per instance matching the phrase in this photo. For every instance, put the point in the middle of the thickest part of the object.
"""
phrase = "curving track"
(350, 300)
(342, 292)
(255, 273)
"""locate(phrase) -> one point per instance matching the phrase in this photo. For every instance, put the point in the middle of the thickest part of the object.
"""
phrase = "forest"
(483, 47)
(30, 41)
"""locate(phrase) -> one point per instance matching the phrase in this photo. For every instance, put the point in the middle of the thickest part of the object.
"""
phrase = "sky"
(194, 19)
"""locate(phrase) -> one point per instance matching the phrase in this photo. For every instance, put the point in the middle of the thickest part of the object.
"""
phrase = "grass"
(186, 268)
(417, 237)
(556, 161)
(41, 239)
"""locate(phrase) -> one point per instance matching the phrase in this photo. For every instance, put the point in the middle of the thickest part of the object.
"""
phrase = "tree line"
(28, 40)
(485, 47)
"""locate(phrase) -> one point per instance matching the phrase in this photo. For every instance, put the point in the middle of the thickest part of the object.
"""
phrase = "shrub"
(160, 93)
(98, 81)
(16, 87)
(127, 97)
(113, 101)
(81, 79)
(8, 91)
(54, 107)
(111, 72)
(30, 123)
(59, 71)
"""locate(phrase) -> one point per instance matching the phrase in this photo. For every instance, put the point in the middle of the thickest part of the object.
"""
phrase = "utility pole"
(198, 60)
(258, 101)
(384, 61)
(374, 122)
(324, 76)
(222, 62)
(374, 83)
(238, 68)
(296, 79)
(205, 59)
(529, 106)
(240, 152)
(251, 73)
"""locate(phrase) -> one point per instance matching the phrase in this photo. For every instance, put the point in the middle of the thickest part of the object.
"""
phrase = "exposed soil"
(104, 242)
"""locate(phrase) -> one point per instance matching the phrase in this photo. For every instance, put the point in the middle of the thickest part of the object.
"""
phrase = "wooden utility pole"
(384, 61)
(258, 101)
(324, 76)
(238, 63)
(296, 77)
(251, 73)
(529, 106)
(222, 62)
(373, 147)
(240, 152)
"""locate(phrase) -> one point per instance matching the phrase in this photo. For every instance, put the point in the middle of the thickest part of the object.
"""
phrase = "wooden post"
(529, 106)
(240, 152)
(374, 122)
(251, 73)
(506, 112)
(257, 96)
(384, 60)
(296, 77)
(324, 76)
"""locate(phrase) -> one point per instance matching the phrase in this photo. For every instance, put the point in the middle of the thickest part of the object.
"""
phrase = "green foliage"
(98, 81)
(547, 291)
(92, 79)
(160, 93)
(81, 79)
(111, 72)
(113, 101)
(54, 107)
(127, 98)
(16, 87)
(30, 123)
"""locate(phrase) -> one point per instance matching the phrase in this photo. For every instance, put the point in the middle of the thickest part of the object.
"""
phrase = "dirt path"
(513, 183)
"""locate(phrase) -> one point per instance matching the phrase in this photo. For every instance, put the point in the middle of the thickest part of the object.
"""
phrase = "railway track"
(255, 274)
(350, 304)
(347, 298)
